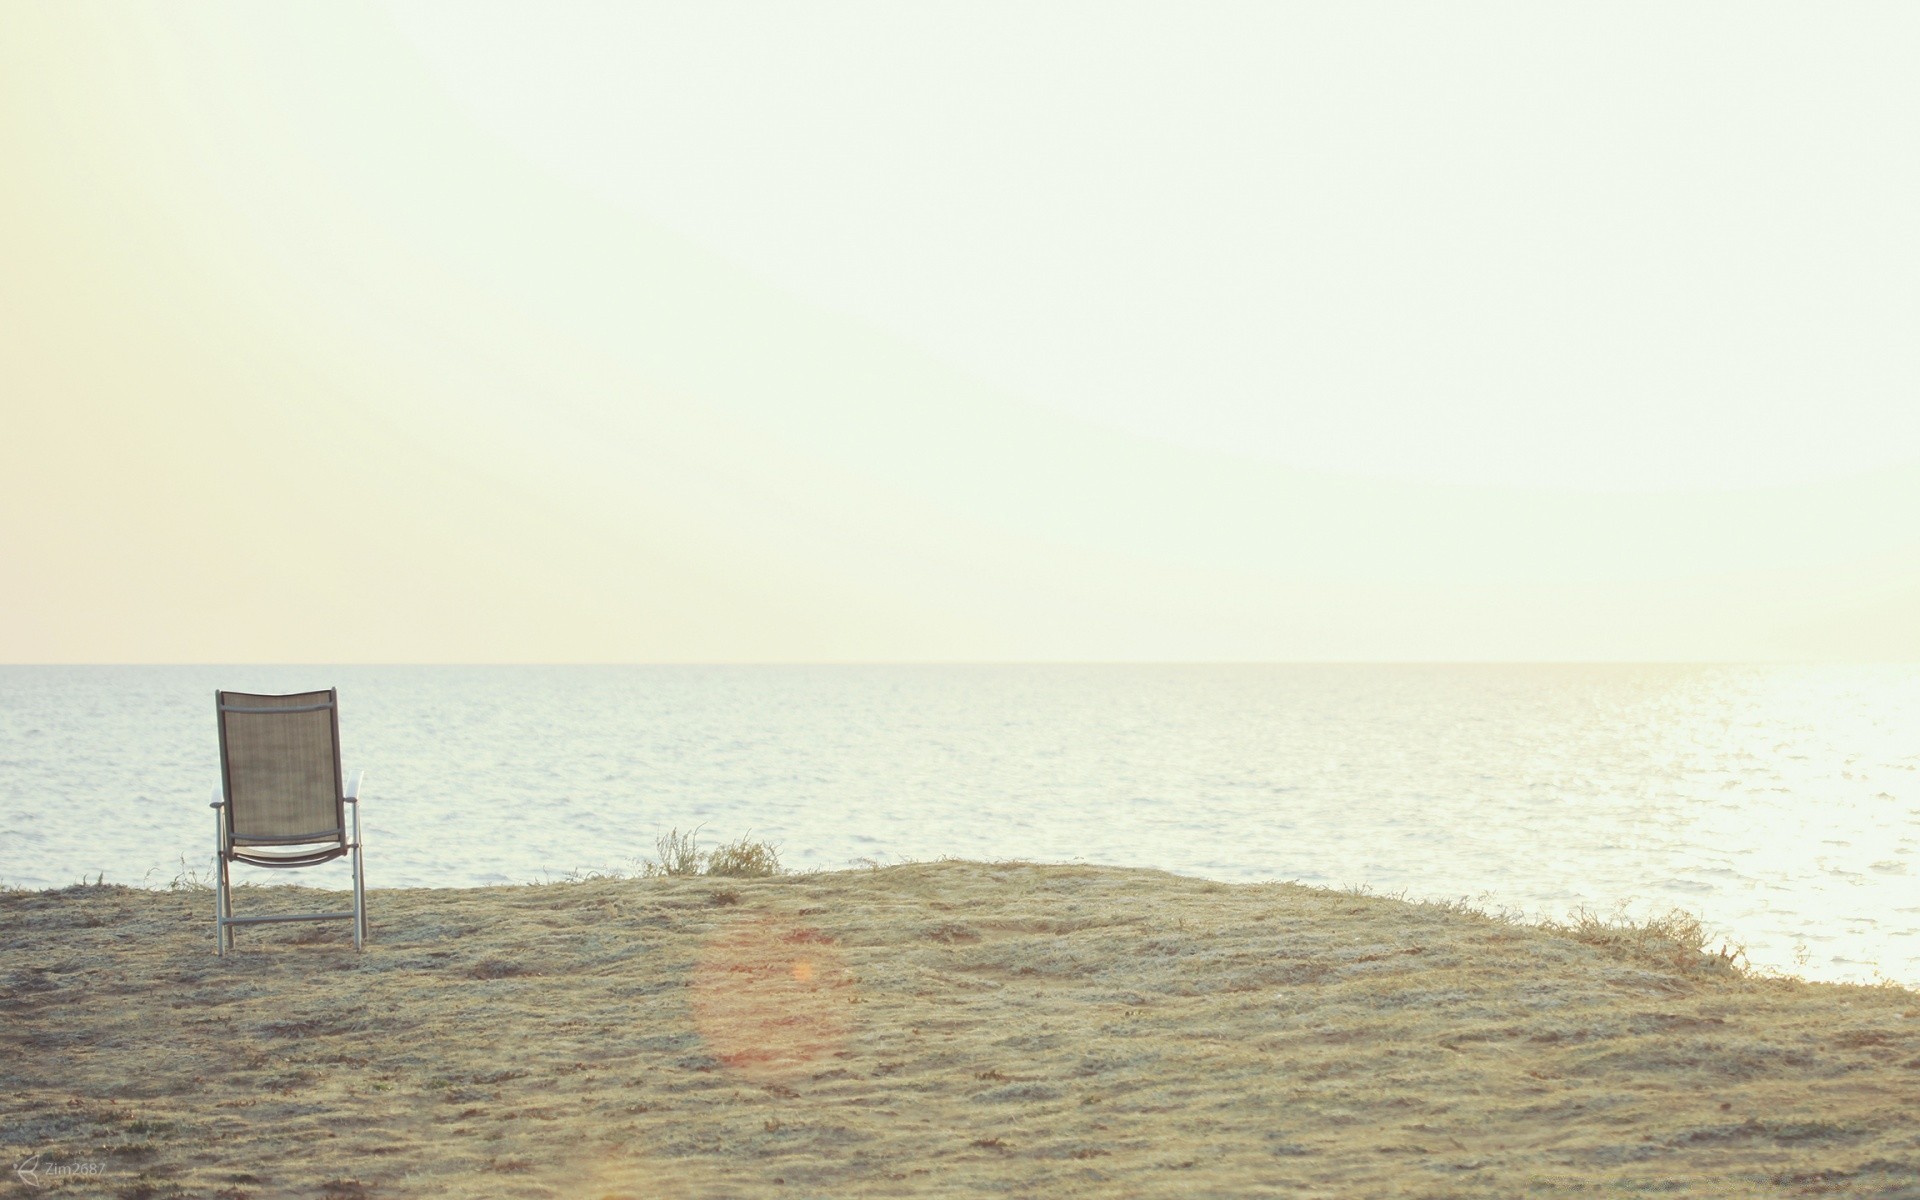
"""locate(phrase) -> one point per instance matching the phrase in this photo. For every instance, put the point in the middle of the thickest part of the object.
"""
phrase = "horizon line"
(1011, 662)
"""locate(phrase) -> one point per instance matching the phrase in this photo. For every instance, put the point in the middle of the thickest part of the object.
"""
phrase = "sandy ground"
(940, 1029)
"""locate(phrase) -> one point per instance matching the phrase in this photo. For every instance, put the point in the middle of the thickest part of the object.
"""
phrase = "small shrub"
(679, 853)
(744, 859)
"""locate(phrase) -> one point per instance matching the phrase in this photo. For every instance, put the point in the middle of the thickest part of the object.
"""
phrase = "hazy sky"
(826, 332)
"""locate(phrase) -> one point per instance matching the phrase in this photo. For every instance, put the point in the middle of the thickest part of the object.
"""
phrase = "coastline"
(951, 1028)
(1791, 824)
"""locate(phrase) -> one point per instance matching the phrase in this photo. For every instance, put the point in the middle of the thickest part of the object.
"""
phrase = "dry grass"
(1675, 939)
(936, 1029)
(680, 855)
(744, 859)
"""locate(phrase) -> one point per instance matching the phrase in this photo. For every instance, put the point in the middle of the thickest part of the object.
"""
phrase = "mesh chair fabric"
(282, 768)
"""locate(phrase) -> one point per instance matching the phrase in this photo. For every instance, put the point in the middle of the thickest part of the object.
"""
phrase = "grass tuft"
(680, 855)
(1674, 939)
(190, 879)
(745, 859)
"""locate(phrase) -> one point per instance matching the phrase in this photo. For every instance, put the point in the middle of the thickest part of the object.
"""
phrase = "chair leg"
(359, 886)
(219, 880)
(359, 900)
(223, 907)
(226, 871)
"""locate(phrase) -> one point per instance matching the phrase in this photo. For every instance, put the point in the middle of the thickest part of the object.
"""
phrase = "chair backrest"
(280, 767)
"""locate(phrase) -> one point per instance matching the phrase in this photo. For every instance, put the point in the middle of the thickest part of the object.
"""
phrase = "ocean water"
(1782, 804)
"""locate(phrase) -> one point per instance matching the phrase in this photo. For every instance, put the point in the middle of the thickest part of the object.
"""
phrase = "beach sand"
(929, 1029)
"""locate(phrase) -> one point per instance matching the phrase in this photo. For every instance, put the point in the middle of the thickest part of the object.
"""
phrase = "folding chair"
(280, 802)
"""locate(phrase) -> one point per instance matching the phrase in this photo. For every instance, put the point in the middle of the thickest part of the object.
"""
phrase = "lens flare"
(771, 997)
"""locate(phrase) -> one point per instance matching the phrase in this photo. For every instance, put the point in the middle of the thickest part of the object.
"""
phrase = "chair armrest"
(219, 801)
(353, 788)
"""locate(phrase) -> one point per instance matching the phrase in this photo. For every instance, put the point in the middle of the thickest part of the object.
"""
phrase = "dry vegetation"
(941, 1029)
(680, 854)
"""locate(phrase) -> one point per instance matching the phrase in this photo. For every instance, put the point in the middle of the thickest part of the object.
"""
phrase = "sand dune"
(939, 1029)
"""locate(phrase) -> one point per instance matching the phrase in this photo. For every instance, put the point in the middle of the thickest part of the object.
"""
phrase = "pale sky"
(828, 332)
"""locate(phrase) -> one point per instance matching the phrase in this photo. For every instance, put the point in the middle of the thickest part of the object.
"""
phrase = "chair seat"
(296, 858)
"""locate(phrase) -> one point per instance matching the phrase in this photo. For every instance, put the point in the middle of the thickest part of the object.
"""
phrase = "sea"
(1780, 804)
